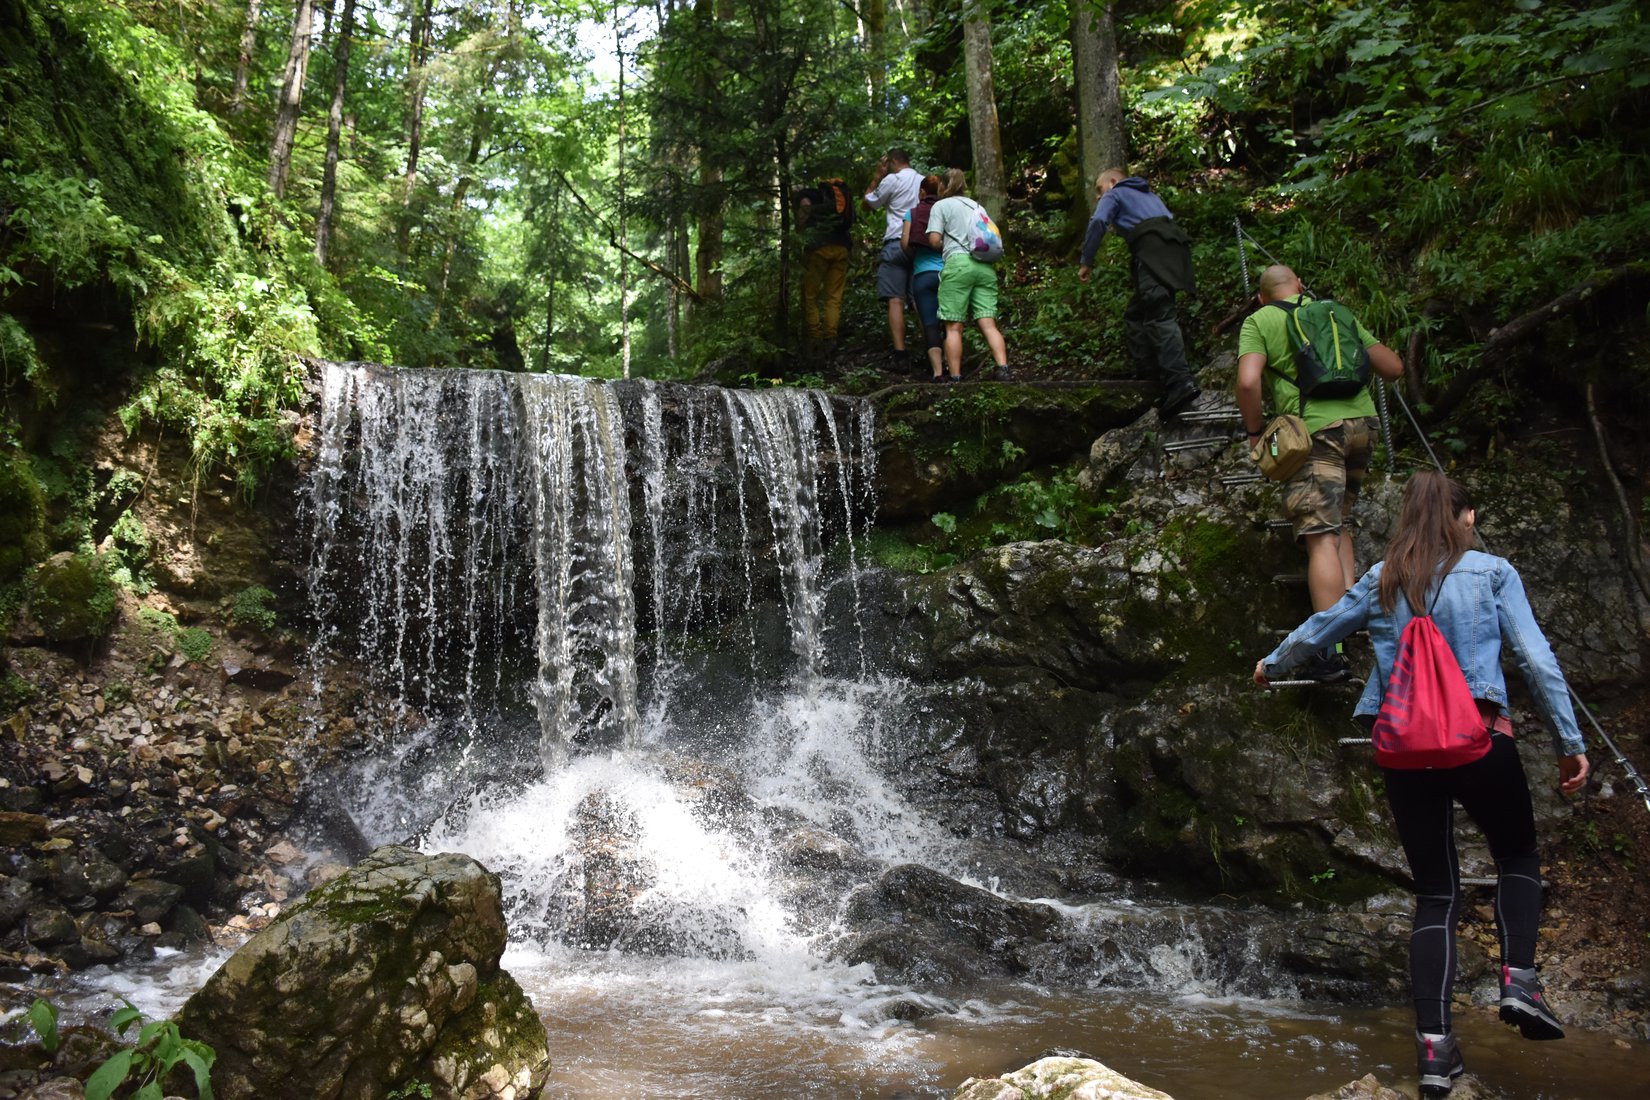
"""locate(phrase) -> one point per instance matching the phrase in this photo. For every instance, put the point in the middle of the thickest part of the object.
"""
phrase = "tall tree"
(243, 60)
(707, 276)
(292, 98)
(1100, 136)
(335, 126)
(990, 179)
(419, 36)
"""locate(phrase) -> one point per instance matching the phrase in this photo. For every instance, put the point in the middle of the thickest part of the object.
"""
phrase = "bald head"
(1278, 282)
(1108, 179)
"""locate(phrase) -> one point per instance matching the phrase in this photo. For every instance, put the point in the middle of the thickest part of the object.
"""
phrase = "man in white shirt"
(894, 190)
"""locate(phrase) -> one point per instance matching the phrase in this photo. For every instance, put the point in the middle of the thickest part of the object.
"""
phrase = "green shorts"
(1319, 498)
(965, 282)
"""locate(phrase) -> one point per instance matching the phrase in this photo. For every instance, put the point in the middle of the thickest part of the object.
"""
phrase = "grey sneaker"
(1438, 1062)
(1524, 1005)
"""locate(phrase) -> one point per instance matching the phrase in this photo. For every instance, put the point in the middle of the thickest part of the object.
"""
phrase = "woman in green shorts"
(966, 284)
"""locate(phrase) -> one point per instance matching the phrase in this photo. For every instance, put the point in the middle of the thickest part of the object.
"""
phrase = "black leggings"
(1496, 796)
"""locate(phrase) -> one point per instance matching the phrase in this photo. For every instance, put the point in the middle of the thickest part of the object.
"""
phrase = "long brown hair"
(1432, 535)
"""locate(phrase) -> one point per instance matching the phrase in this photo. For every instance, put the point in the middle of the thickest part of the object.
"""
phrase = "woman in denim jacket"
(1479, 604)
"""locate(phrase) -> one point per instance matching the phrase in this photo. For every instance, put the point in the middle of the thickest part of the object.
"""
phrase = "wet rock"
(50, 926)
(1059, 1078)
(261, 673)
(150, 899)
(58, 1088)
(18, 829)
(387, 974)
(1367, 1087)
(916, 924)
(85, 876)
(17, 897)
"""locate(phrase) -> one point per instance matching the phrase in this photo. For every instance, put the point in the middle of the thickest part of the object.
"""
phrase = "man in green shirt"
(1318, 499)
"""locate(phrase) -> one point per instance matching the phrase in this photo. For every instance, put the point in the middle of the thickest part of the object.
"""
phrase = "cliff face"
(1100, 721)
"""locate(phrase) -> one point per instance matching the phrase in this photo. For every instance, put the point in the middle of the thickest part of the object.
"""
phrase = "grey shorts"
(893, 271)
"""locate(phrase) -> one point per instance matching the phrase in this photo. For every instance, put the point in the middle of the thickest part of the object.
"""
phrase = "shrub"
(195, 643)
(73, 597)
(253, 606)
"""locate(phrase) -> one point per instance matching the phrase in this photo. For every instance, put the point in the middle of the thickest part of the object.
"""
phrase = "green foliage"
(160, 1049)
(412, 1090)
(43, 1018)
(22, 517)
(195, 643)
(73, 597)
(253, 606)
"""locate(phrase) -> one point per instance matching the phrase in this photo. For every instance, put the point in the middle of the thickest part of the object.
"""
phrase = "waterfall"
(488, 541)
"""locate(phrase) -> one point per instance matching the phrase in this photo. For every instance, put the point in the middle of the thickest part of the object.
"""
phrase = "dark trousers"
(1495, 794)
(1153, 335)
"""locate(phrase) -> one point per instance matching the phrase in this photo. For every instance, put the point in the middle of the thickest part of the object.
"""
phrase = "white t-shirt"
(895, 196)
(954, 220)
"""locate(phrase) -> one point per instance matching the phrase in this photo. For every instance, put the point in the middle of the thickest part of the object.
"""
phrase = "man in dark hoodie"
(1161, 258)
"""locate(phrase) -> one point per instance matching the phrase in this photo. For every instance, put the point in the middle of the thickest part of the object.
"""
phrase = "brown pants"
(824, 276)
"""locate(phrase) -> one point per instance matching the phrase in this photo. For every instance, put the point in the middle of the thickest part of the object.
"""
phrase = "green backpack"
(1330, 360)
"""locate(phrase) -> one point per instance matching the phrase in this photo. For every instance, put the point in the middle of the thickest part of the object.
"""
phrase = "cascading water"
(622, 626)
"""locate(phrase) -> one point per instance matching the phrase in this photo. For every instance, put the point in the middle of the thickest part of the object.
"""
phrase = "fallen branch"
(1520, 327)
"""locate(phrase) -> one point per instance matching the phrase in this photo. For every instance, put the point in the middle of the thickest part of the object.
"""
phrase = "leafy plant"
(195, 643)
(253, 606)
(43, 1018)
(160, 1049)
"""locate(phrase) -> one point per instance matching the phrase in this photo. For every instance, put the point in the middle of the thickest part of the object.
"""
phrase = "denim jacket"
(1481, 603)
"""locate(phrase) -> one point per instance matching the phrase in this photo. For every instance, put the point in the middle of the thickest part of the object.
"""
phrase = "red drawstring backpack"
(1428, 717)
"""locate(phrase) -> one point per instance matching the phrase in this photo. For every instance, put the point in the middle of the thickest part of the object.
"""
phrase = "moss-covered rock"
(387, 975)
(22, 517)
(72, 597)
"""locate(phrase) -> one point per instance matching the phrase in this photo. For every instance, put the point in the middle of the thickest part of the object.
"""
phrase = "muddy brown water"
(1192, 1048)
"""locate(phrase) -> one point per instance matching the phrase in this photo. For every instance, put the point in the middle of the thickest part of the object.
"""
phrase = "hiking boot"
(1005, 373)
(1177, 401)
(1524, 1005)
(1438, 1062)
(1325, 668)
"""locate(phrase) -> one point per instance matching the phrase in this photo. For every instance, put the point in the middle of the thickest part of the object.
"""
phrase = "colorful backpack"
(1428, 717)
(988, 239)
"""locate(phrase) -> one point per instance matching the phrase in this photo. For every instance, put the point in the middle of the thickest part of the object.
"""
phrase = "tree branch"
(1520, 327)
(666, 274)
(1629, 522)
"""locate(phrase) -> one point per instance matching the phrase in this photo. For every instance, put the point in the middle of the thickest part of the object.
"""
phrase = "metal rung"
(1241, 479)
(1280, 524)
(1209, 416)
(1194, 444)
(1492, 882)
(1289, 578)
(1350, 681)
(1353, 741)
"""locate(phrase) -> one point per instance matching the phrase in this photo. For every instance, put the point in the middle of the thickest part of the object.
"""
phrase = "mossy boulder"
(22, 516)
(72, 597)
(386, 976)
(937, 445)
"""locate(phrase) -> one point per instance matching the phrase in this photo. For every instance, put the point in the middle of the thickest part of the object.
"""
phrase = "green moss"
(73, 597)
(254, 607)
(195, 643)
(22, 517)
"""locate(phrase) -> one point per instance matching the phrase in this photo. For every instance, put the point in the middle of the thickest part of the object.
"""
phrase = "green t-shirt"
(1266, 331)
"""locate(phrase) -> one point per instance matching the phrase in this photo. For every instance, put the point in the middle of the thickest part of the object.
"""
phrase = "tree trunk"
(707, 275)
(243, 61)
(1099, 91)
(292, 98)
(335, 126)
(550, 276)
(624, 239)
(990, 182)
(876, 25)
(418, 48)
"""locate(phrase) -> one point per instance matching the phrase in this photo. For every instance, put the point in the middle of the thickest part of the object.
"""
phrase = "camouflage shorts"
(1319, 498)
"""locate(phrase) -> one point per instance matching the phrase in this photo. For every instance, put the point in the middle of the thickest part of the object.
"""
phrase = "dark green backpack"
(1330, 360)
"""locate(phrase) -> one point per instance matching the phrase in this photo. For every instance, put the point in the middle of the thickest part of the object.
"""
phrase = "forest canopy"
(196, 193)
